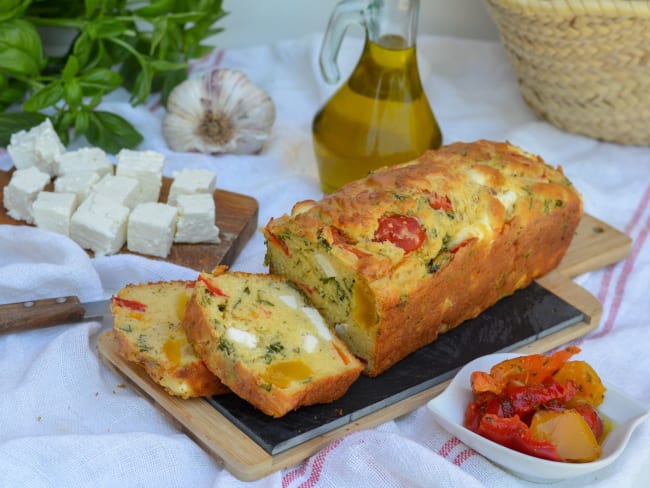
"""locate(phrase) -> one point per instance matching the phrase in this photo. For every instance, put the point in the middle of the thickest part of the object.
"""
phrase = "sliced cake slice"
(261, 337)
(147, 329)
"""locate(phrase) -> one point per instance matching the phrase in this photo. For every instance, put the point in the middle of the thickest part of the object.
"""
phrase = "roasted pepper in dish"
(544, 406)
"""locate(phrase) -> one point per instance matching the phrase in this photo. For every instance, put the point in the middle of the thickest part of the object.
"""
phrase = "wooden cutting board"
(595, 245)
(236, 217)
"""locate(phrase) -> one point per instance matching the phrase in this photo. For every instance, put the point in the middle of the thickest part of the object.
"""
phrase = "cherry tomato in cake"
(403, 231)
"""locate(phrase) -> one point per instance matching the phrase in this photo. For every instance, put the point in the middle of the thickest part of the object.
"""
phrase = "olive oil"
(379, 117)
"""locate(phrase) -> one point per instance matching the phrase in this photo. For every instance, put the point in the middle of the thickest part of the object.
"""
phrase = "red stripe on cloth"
(290, 476)
(448, 446)
(464, 455)
(317, 463)
(627, 268)
(636, 217)
(619, 290)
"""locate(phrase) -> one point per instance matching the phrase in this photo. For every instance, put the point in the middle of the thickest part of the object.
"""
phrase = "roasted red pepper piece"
(462, 244)
(402, 230)
(277, 242)
(513, 433)
(525, 400)
(341, 240)
(592, 418)
(473, 414)
(132, 304)
(211, 287)
(527, 370)
(440, 202)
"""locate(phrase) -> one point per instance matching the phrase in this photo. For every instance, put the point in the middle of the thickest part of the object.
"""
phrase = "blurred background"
(253, 22)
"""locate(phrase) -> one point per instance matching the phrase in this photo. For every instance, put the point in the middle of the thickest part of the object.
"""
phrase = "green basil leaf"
(101, 79)
(21, 51)
(162, 65)
(45, 97)
(10, 9)
(11, 91)
(10, 96)
(107, 28)
(13, 122)
(90, 6)
(62, 122)
(186, 17)
(159, 32)
(155, 9)
(170, 81)
(73, 93)
(111, 132)
(142, 86)
(81, 122)
(71, 68)
(83, 48)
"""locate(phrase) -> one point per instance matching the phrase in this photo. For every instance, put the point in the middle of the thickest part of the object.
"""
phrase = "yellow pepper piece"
(568, 432)
(180, 306)
(590, 388)
(282, 374)
(172, 350)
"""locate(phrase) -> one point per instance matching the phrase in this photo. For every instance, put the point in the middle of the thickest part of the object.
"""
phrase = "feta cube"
(20, 193)
(80, 183)
(196, 219)
(38, 147)
(145, 166)
(53, 211)
(151, 229)
(84, 159)
(190, 181)
(100, 226)
(118, 190)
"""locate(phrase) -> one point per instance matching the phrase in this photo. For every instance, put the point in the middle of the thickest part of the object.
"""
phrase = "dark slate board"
(514, 321)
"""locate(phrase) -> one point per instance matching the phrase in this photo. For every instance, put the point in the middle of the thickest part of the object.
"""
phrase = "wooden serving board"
(595, 245)
(236, 217)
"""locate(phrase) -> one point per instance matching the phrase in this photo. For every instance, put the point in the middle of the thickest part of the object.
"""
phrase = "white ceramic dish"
(448, 408)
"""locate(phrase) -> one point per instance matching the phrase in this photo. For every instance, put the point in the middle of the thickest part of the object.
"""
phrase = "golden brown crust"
(247, 385)
(494, 219)
(247, 382)
(185, 379)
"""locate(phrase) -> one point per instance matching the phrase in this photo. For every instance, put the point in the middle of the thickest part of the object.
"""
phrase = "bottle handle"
(346, 13)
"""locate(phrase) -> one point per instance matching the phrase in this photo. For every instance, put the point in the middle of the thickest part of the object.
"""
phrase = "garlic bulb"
(220, 112)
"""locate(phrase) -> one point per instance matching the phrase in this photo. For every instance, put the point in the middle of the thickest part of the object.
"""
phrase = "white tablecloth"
(67, 420)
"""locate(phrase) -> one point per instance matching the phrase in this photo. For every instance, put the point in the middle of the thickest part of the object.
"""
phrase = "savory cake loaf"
(258, 334)
(411, 251)
(147, 330)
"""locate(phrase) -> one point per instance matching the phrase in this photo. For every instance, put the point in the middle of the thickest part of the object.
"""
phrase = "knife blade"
(36, 314)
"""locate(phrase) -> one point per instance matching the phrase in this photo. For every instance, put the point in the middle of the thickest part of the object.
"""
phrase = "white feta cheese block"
(119, 190)
(38, 147)
(53, 211)
(151, 229)
(196, 215)
(189, 181)
(80, 183)
(100, 226)
(20, 193)
(146, 167)
(84, 159)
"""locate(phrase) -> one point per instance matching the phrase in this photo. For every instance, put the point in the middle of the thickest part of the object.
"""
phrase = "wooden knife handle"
(15, 317)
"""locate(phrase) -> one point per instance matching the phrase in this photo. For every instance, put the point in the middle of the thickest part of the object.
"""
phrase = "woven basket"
(583, 65)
